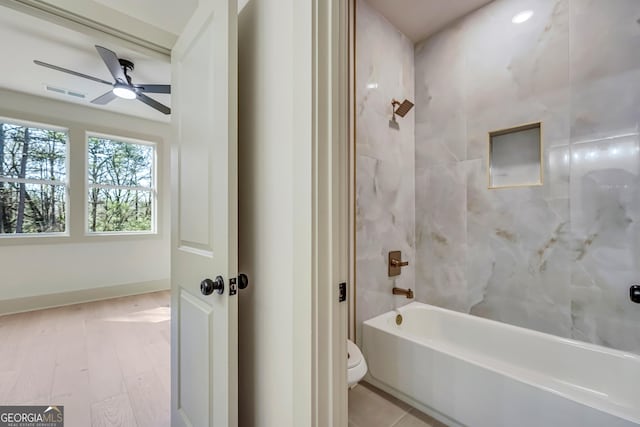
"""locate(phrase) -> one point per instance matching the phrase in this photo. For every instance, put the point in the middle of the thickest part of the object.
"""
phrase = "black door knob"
(243, 281)
(634, 293)
(207, 286)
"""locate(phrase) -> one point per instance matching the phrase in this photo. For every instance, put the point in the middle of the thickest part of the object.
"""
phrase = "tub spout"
(406, 292)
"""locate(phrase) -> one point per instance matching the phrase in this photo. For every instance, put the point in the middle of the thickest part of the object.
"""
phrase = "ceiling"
(418, 19)
(169, 15)
(155, 21)
(32, 38)
(158, 21)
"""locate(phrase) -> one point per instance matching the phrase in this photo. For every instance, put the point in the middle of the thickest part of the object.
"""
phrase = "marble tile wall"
(604, 173)
(385, 184)
(557, 258)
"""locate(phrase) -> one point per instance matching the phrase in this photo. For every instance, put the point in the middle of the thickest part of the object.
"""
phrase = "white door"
(204, 340)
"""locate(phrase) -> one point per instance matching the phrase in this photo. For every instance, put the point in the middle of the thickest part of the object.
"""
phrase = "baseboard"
(39, 302)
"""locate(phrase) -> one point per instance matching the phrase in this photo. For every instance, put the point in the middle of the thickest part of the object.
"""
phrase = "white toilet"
(356, 365)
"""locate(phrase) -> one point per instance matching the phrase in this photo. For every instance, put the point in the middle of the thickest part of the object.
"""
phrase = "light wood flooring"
(107, 362)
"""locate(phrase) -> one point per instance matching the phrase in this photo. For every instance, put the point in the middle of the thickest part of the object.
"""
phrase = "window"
(33, 179)
(121, 185)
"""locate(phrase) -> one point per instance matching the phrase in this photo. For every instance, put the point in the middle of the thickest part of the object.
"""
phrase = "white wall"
(275, 211)
(84, 267)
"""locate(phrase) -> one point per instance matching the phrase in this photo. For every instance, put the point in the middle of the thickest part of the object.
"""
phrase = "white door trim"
(330, 210)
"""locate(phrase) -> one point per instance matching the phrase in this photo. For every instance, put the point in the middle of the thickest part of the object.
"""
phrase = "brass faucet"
(406, 292)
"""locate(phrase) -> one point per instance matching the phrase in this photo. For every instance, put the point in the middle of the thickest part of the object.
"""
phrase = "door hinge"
(342, 296)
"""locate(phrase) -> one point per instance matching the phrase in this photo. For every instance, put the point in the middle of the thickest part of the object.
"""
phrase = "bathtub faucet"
(406, 292)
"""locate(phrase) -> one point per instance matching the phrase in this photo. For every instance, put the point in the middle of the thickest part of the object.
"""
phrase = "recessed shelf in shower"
(515, 156)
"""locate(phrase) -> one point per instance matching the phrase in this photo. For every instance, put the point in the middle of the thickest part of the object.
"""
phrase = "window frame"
(67, 191)
(153, 190)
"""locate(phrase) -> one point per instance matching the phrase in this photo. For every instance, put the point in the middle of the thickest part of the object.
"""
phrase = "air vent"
(66, 92)
(76, 94)
(55, 89)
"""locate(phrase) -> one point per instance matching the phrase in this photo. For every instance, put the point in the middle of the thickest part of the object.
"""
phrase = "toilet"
(356, 365)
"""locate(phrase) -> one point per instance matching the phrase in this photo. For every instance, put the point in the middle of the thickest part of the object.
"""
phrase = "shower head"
(401, 108)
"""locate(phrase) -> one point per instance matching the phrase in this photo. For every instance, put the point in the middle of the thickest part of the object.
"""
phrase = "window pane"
(119, 210)
(119, 163)
(32, 208)
(32, 153)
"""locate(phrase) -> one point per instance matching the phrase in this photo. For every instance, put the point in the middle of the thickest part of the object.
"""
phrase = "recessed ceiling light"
(523, 16)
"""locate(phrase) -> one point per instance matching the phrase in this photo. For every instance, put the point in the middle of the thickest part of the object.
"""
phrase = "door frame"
(330, 225)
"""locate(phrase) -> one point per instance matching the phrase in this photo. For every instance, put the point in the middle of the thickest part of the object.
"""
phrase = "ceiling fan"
(122, 87)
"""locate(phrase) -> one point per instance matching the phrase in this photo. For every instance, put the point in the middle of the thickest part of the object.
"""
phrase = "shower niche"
(515, 156)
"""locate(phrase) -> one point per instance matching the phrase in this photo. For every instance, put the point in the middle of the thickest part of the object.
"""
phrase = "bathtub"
(469, 371)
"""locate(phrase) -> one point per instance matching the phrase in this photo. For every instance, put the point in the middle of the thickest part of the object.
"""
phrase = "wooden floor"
(107, 362)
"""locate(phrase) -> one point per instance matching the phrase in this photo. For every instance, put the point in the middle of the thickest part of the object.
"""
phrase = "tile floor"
(372, 407)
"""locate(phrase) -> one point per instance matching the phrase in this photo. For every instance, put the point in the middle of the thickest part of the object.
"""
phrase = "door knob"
(243, 281)
(207, 286)
(634, 293)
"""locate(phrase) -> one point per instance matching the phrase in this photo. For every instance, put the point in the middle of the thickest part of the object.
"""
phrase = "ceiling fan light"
(124, 92)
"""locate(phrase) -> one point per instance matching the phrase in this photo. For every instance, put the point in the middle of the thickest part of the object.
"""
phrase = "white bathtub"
(475, 372)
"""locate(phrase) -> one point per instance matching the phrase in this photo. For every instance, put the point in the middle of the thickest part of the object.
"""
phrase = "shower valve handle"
(398, 263)
(395, 263)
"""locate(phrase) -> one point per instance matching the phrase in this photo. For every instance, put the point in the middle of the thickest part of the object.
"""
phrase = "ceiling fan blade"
(105, 99)
(153, 103)
(154, 88)
(111, 61)
(75, 73)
